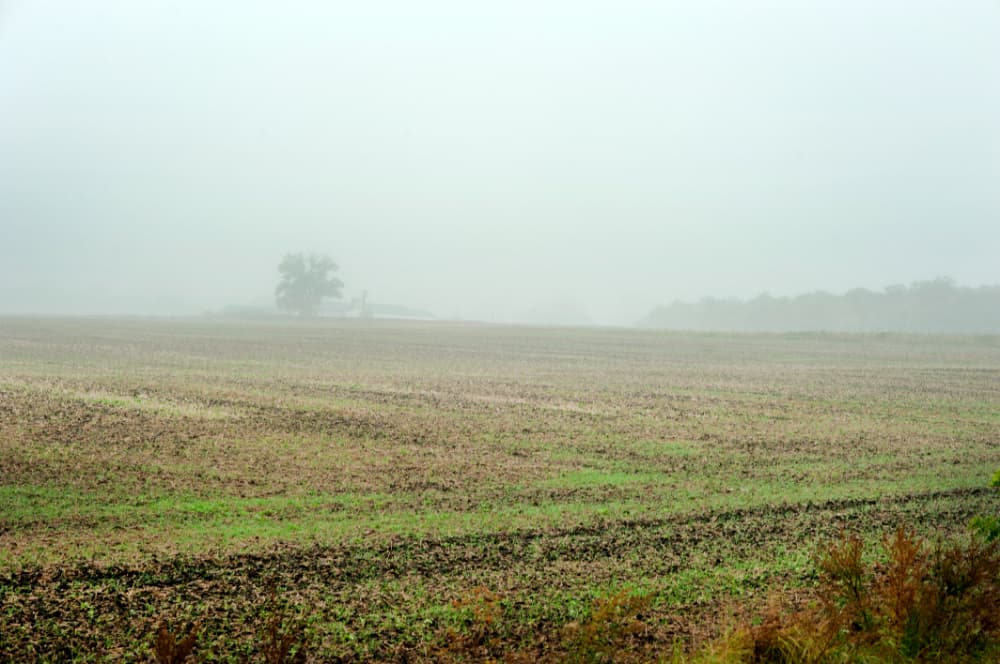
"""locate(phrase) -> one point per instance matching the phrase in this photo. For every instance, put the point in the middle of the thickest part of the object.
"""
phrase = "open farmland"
(388, 483)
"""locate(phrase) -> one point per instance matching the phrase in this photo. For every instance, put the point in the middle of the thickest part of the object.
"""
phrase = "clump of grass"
(988, 527)
(280, 638)
(609, 633)
(612, 622)
(284, 639)
(925, 603)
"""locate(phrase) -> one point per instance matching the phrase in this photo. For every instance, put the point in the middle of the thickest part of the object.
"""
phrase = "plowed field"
(373, 482)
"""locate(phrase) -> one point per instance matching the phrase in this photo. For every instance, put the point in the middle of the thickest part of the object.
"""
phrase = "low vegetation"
(919, 603)
(365, 491)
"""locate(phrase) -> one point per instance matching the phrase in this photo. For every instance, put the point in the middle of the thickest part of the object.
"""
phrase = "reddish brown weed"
(925, 603)
(167, 649)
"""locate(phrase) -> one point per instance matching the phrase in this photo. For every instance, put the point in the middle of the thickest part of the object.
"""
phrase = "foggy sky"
(494, 160)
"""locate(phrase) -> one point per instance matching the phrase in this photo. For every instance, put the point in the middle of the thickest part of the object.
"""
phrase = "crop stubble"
(374, 472)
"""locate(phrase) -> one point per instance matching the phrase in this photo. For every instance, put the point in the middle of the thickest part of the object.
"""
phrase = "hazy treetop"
(483, 159)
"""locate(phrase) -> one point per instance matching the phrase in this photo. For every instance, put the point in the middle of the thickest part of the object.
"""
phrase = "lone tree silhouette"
(305, 281)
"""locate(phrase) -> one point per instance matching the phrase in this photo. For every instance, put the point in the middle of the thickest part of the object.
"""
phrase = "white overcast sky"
(490, 160)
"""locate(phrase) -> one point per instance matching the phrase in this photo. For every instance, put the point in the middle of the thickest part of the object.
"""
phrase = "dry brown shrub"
(480, 638)
(167, 649)
(925, 603)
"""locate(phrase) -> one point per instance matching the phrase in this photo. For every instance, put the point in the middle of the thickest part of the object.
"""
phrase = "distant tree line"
(939, 306)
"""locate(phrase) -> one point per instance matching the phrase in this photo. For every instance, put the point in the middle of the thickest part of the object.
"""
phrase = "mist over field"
(446, 331)
(557, 162)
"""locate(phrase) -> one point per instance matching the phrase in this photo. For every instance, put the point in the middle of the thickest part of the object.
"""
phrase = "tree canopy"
(305, 281)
